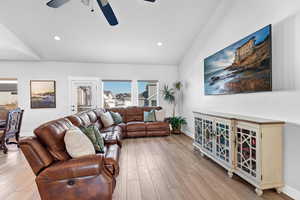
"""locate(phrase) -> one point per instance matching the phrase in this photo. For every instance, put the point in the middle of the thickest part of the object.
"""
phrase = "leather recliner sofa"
(134, 126)
(58, 176)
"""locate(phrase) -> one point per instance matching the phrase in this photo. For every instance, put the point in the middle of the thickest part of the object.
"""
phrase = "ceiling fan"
(103, 4)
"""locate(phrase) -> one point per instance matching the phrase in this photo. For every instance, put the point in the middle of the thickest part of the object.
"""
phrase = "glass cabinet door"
(198, 131)
(223, 142)
(247, 151)
(208, 135)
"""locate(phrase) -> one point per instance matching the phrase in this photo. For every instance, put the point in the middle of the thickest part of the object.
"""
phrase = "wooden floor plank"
(159, 168)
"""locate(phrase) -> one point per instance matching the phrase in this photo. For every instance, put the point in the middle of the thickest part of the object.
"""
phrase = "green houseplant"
(170, 95)
(176, 123)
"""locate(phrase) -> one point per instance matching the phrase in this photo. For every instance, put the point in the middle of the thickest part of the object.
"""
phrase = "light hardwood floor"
(160, 168)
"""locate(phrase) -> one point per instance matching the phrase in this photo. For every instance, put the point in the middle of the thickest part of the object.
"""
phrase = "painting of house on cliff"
(243, 67)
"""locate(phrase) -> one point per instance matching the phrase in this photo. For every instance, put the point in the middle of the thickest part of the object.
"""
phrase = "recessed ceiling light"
(159, 44)
(57, 38)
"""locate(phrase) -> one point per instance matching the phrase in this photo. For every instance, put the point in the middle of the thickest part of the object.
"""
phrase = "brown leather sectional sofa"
(58, 176)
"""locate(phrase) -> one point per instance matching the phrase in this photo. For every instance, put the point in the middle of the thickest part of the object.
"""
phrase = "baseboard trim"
(191, 135)
(26, 133)
(291, 192)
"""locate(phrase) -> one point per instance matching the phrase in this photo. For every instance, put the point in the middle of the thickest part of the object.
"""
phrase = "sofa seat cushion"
(134, 134)
(157, 126)
(111, 129)
(135, 126)
(122, 126)
(112, 138)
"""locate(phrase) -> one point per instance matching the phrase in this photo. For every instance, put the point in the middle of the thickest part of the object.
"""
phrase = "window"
(8, 94)
(148, 91)
(116, 94)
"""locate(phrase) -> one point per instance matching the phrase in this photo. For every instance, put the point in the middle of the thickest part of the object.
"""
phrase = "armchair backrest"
(52, 134)
(13, 122)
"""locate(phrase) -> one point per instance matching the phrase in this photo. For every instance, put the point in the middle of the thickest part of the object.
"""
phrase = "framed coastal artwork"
(243, 67)
(42, 94)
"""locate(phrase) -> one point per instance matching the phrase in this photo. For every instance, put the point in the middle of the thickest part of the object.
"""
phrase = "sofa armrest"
(111, 160)
(36, 154)
(91, 165)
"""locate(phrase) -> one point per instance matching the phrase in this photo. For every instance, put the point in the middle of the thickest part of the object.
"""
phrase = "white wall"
(233, 21)
(59, 71)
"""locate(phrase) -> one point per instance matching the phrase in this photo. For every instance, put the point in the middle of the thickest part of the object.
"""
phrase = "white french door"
(84, 94)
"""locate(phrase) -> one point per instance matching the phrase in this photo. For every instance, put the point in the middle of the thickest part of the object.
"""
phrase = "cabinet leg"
(202, 154)
(258, 191)
(230, 174)
(279, 190)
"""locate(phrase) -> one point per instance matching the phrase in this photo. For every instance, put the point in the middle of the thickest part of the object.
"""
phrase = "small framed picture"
(42, 94)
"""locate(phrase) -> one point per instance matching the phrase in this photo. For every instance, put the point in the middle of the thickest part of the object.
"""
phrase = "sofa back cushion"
(52, 135)
(87, 118)
(133, 113)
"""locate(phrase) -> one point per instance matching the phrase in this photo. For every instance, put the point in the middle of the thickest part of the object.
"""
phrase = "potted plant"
(176, 123)
(171, 95)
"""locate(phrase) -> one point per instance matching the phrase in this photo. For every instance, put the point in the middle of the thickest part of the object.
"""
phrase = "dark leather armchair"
(11, 129)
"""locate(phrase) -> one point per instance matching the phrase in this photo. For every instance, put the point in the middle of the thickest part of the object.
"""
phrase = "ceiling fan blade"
(151, 1)
(108, 12)
(56, 3)
(104, 2)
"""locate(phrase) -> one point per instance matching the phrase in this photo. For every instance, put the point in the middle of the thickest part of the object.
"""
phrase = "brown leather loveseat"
(58, 176)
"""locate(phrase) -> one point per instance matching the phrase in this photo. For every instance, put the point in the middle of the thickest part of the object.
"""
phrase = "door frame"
(84, 78)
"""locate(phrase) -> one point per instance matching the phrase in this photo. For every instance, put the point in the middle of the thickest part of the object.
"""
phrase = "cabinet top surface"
(238, 117)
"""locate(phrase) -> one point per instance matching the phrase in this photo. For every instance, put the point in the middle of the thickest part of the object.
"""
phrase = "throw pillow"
(149, 116)
(116, 117)
(78, 144)
(106, 119)
(93, 133)
(160, 115)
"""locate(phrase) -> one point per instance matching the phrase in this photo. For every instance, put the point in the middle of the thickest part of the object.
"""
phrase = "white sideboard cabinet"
(248, 147)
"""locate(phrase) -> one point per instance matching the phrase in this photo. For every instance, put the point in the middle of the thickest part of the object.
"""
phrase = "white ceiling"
(29, 28)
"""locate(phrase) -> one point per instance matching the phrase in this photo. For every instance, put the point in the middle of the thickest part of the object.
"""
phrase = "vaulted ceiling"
(29, 26)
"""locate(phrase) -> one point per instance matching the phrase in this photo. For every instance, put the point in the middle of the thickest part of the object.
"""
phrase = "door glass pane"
(222, 142)
(198, 131)
(84, 98)
(208, 135)
(147, 93)
(246, 149)
(117, 94)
